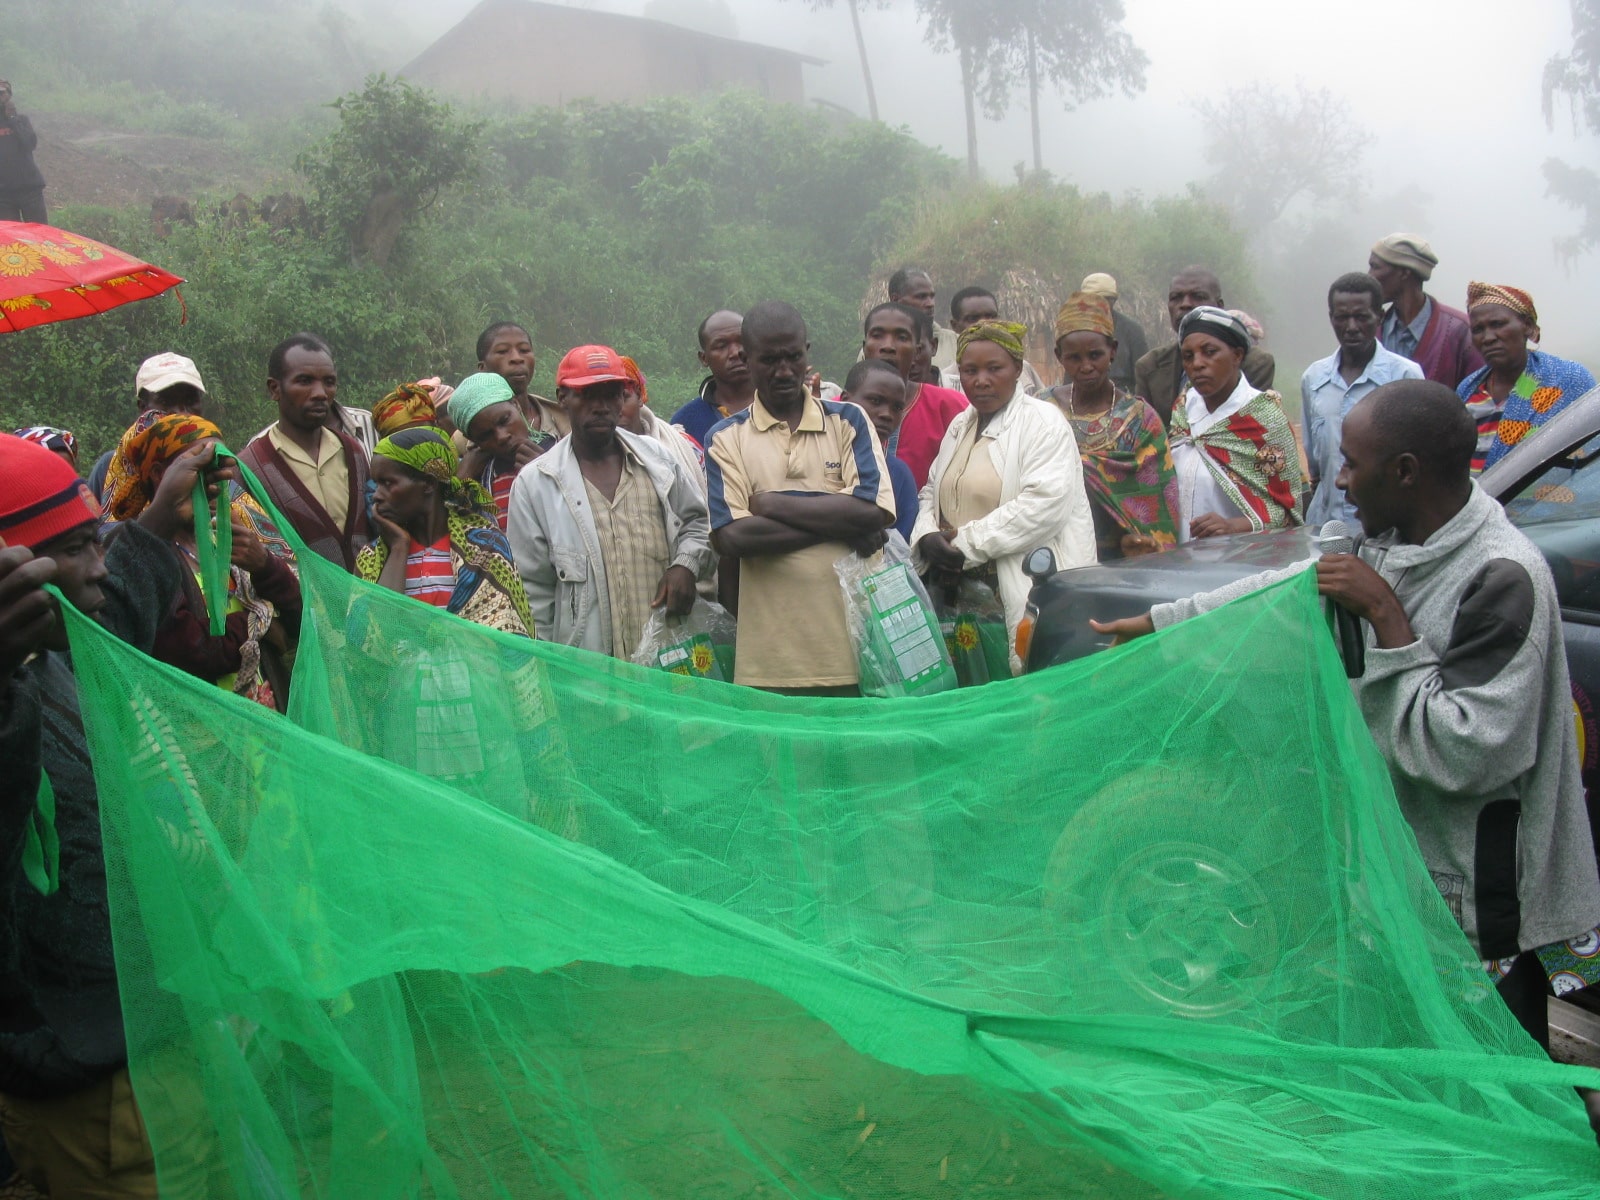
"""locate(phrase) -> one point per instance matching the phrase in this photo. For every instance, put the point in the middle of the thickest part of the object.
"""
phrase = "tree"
(395, 150)
(861, 45)
(1270, 149)
(975, 30)
(1576, 77)
(1077, 45)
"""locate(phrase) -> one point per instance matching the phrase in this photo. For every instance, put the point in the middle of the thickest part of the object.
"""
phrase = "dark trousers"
(23, 204)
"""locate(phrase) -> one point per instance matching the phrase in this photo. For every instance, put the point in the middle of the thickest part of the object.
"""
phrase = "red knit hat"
(40, 496)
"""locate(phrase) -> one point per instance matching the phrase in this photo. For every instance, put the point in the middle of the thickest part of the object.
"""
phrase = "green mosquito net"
(494, 918)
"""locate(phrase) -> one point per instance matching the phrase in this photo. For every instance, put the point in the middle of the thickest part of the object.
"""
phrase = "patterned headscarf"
(427, 451)
(441, 390)
(637, 376)
(51, 438)
(155, 439)
(1517, 300)
(1085, 312)
(1009, 337)
(1219, 323)
(1251, 325)
(408, 405)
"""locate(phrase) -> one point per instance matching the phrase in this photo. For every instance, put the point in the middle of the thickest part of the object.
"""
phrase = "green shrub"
(594, 223)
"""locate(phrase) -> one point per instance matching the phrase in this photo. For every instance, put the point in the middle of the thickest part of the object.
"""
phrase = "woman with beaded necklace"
(1127, 466)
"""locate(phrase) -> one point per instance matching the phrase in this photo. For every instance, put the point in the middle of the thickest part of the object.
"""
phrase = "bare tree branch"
(1269, 149)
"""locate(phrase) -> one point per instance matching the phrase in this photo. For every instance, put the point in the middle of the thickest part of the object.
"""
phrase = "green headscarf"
(1009, 337)
(476, 393)
(427, 451)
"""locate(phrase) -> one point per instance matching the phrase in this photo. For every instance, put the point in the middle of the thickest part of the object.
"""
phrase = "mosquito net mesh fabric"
(491, 918)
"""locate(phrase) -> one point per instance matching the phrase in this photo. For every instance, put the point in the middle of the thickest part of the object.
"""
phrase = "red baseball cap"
(586, 366)
(40, 496)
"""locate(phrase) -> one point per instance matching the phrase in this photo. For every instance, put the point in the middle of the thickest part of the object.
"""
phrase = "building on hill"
(534, 53)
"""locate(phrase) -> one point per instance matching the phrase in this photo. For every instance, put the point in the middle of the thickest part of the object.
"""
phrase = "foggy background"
(1448, 89)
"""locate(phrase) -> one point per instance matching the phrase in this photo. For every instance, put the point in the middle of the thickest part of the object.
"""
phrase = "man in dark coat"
(21, 185)
(1158, 376)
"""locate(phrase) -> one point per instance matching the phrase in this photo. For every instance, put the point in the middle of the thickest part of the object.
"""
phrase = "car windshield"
(1558, 511)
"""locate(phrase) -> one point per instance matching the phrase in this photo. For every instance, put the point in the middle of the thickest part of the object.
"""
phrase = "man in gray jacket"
(1465, 688)
(605, 527)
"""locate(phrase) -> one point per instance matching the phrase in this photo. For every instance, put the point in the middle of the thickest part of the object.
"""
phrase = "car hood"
(1227, 558)
(1130, 587)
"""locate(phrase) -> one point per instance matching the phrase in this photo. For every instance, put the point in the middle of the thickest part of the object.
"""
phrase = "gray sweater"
(1475, 721)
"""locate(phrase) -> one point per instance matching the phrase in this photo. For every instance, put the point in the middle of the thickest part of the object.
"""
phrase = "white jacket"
(680, 446)
(1042, 499)
(557, 549)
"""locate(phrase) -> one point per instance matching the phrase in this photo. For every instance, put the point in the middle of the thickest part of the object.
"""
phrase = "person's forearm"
(1392, 628)
(837, 518)
(472, 464)
(393, 575)
(761, 537)
(1164, 615)
(185, 642)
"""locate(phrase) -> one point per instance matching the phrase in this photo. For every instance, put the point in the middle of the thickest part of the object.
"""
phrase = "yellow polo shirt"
(792, 630)
(327, 476)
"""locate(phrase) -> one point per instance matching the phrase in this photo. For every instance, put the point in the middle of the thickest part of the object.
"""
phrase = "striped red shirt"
(500, 488)
(430, 577)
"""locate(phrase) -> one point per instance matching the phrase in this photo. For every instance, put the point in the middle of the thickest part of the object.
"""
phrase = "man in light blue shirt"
(1404, 339)
(1332, 386)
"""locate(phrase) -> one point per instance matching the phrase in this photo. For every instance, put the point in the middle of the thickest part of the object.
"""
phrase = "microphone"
(1336, 537)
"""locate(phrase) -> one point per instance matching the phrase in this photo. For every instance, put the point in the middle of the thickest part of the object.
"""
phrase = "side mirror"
(1039, 565)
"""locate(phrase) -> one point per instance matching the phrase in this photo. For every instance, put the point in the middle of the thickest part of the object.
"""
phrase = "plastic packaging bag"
(973, 622)
(698, 644)
(892, 625)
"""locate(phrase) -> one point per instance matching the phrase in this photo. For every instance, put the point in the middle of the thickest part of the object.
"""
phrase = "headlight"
(1023, 642)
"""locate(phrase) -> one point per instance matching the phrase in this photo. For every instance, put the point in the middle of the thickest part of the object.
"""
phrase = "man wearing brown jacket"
(316, 476)
(1158, 377)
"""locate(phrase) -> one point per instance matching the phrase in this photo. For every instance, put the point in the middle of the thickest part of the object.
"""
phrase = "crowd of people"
(578, 519)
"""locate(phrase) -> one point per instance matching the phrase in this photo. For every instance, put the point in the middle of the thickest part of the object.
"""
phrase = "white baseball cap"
(166, 370)
(1099, 284)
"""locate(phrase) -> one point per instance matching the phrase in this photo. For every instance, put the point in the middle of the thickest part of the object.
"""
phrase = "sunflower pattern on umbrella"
(48, 274)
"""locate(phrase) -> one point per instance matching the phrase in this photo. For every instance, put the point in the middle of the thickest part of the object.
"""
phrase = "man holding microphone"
(1464, 689)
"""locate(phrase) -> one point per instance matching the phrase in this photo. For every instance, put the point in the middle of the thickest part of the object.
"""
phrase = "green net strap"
(41, 848)
(213, 536)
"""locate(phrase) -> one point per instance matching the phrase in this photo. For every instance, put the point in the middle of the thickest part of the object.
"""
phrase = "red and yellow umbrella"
(48, 274)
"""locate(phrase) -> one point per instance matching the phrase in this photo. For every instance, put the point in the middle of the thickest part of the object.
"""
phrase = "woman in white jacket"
(1007, 479)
